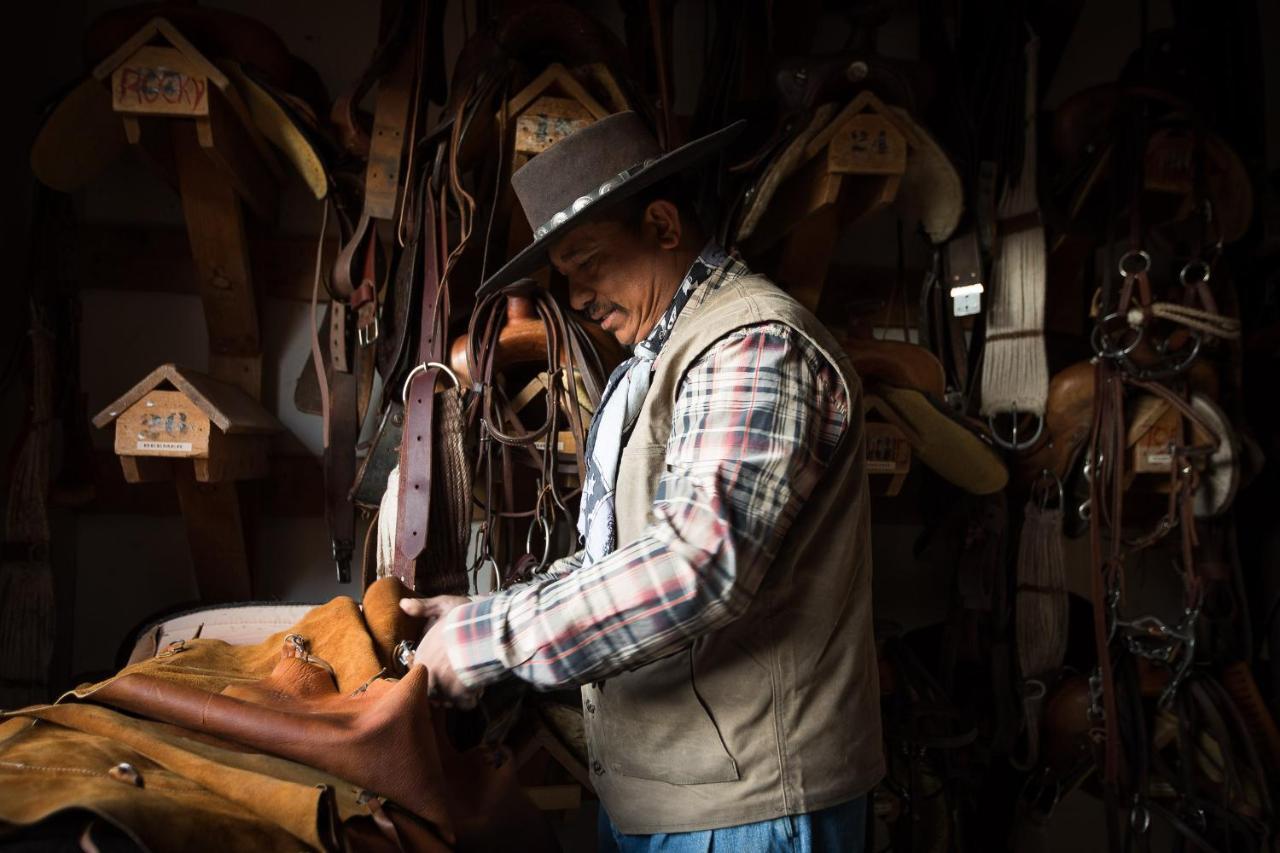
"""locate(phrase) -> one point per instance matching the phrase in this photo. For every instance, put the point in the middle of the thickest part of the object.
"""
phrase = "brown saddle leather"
(321, 698)
(896, 363)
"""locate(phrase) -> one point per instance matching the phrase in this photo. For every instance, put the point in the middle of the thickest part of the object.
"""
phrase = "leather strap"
(357, 285)
(413, 509)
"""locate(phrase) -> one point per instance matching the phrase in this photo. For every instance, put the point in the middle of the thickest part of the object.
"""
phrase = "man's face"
(614, 275)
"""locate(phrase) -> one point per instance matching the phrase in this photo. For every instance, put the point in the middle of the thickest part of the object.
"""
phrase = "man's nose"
(579, 297)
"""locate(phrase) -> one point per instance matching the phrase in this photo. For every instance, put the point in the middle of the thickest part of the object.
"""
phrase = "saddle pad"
(237, 624)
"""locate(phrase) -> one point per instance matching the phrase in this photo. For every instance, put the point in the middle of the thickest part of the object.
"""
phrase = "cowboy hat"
(589, 171)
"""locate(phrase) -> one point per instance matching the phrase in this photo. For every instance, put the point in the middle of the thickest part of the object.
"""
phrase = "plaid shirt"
(757, 419)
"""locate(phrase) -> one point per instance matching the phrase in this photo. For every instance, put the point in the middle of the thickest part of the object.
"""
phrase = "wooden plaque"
(159, 81)
(888, 452)
(163, 423)
(1169, 165)
(547, 121)
(867, 144)
(1158, 430)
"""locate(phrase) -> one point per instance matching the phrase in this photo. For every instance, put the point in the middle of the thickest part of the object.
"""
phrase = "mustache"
(597, 310)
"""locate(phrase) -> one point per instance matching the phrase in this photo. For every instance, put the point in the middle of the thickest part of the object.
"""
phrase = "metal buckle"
(423, 368)
(367, 335)
(403, 654)
(177, 647)
(1013, 443)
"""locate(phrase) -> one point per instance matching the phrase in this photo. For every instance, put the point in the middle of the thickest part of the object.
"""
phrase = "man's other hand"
(443, 685)
(434, 608)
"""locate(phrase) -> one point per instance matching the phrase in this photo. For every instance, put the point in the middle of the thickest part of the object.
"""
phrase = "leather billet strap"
(416, 459)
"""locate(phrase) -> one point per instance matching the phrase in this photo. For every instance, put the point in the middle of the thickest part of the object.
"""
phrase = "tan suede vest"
(779, 712)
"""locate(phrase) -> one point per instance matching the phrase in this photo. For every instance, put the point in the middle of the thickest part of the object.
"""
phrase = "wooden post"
(216, 536)
(215, 227)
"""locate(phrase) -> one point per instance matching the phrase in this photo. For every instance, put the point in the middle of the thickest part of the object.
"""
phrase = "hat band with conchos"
(582, 202)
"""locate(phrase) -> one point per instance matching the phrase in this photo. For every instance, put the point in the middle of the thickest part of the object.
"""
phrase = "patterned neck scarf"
(620, 406)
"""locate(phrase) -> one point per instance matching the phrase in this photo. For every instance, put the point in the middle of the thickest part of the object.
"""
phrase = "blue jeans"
(839, 829)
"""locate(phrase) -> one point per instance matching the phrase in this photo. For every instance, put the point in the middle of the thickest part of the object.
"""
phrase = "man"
(718, 616)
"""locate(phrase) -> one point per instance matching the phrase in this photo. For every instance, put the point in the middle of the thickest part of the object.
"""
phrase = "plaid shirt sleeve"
(756, 421)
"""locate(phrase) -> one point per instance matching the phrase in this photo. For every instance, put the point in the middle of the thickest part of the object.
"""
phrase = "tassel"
(387, 524)
(27, 611)
(1042, 606)
(1041, 613)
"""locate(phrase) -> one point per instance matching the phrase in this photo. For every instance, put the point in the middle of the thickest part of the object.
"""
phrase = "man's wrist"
(472, 642)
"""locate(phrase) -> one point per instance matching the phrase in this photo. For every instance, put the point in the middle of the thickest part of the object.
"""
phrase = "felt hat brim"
(534, 255)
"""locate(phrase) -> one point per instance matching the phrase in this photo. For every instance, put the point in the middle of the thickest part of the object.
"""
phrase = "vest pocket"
(655, 726)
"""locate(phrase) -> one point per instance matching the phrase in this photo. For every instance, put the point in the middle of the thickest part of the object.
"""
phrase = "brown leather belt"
(413, 510)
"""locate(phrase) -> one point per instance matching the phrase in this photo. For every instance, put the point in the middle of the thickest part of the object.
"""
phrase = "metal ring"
(1046, 474)
(1013, 443)
(1129, 256)
(1099, 338)
(423, 368)
(1170, 369)
(1200, 264)
(403, 654)
(546, 541)
(1139, 817)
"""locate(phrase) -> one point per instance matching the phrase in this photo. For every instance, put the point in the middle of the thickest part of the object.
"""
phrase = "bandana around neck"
(621, 403)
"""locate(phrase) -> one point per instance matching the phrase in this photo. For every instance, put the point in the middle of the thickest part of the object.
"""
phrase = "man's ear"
(662, 222)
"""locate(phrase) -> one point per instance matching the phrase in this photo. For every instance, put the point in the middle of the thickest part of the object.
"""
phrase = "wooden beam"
(115, 257)
(233, 457)
(807, 254)
(231, 147)
(294, 489)
(803, 194)
(215, 228)
(146, 469)
(216, 536)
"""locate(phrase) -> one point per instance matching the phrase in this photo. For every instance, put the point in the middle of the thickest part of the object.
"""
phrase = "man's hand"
(443, 685)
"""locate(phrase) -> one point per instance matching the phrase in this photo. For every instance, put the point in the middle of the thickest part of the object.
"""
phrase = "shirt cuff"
(473, 641)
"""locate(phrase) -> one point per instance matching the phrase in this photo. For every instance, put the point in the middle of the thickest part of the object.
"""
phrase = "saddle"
(273, 91)
(907, 382)
(320, 697)
(1090, 128)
